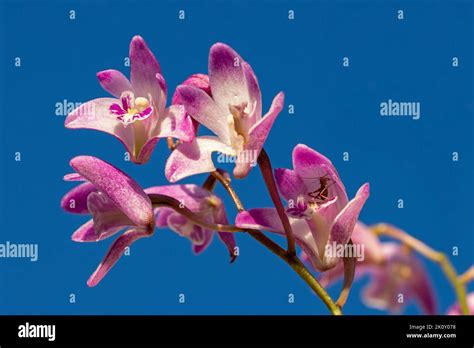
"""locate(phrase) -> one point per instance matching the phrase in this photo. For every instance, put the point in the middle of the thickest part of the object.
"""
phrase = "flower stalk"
(267, 173)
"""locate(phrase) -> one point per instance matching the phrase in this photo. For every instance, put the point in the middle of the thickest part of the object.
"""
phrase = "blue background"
(336, 110)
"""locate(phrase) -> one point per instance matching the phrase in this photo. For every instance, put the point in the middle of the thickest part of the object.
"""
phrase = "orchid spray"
(317, 216)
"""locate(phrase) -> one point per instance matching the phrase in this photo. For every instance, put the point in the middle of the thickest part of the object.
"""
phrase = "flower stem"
(290, 259)
(467, 276)
(158, 200)
(431, 254)
(267, 173)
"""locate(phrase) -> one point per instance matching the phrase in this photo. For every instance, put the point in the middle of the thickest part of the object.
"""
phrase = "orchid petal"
(175, 123)
(114, 82)
(115, 252)
(226, 76)
(75, 201)
(289, 184)
(205, 110)
(194, 157)
(345, 221)
(260, 219)
(108, 218)
(310, 165)
(257, 136)
(255, 95)
(96, 115)
(143, 70)
(122, 190)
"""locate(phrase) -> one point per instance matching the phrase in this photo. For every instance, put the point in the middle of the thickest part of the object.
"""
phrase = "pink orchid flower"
(205, 204)
(137, 116)
(393, 271)
(320, 214)
(233, 113)
(116, 202)
(455, 309)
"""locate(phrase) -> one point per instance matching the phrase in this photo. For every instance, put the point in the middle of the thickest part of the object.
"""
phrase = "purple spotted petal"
(75, 201)
(122, 190)
(115, 252)
(194, 157)
(114, 82)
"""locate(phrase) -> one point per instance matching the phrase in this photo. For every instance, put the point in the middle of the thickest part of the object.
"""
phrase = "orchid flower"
(320, 214)
(115, 201)
(455, 309)
(393, 270)
(137, 116)
(205, 204)
(233, 113)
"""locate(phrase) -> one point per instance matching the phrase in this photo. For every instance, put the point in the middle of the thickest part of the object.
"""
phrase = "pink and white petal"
(194, 157)
(345, 221)
(260, 219)
(200, 81)
(143, 70)
(204, 109)
(310, 165)
(75, 201)
(289, 184)
(114, 82)
(108, 218)
(226, 76)
(115, 252)
(121, 189)
(95, 115)
(257, 136)
(175, 123)
(255, 95)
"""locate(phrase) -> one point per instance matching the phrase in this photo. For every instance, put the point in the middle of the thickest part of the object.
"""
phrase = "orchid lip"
(131, 109)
